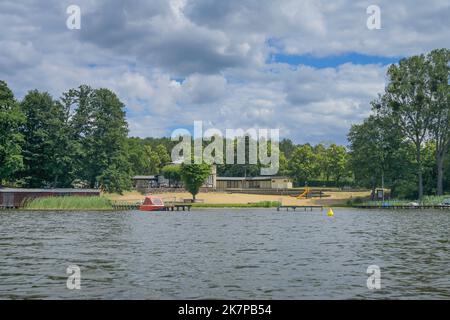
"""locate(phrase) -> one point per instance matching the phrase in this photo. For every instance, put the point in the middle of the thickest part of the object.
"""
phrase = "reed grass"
(69, 203)
(427, 201)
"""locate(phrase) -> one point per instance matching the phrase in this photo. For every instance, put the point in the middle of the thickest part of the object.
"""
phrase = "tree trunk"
(440, 174)
(419, 170)
(420, 185)
(372, 195)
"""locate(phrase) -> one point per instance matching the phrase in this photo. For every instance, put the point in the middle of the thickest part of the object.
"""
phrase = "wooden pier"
(125, 206)
(294, 208)
(2, 207)
(167, 206)
(177, 207)
(404, 207)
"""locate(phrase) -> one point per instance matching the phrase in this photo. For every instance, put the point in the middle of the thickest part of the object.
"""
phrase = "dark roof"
(250, 178)
(57, 190)
(144, 178)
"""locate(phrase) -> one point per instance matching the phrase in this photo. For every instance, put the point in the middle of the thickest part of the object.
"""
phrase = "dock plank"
(294, 208)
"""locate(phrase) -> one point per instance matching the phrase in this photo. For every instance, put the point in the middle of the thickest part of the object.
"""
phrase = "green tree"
(302, 164)
(378, 152)
(284, 165)
(115, 178)
(139, 157)
(287, 147)
(194, 176)
(323, 161)
(367, 157)
(337, 162)
(172, 173)
(101, 130)
(108, 141)
(79, 103)
(163, 155)
(47, 146)
(406, 102)
(439, 90)
(11, 118)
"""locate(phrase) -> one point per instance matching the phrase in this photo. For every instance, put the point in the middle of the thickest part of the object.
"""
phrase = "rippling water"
(234, 254)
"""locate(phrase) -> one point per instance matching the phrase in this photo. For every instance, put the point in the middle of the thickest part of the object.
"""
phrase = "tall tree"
(47, 146)
(172, 173)
(303, 165)
(139, 157)
(100, 130)
(407, 102)
(107, 142)
(79, 102)
(163, 155)
(11, 118)
(377, 153)
(323, 161)
(287, 147)
(439, 89)
(337, 162)
(194, 176)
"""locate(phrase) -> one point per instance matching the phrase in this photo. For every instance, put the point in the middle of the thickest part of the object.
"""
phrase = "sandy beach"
(334, 197)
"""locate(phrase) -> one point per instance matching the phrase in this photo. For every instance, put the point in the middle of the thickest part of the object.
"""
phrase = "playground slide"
(304, 194)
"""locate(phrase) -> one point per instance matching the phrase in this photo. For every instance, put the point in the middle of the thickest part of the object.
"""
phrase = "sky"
(308, 68)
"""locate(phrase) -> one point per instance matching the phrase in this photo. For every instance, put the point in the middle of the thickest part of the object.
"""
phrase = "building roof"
(56, 190)
(250, 178)
(144, 178)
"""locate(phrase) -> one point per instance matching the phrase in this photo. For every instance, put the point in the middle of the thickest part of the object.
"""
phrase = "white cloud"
(173, 62)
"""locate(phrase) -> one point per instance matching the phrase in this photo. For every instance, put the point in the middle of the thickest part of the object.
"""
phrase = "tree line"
(320, 165)
(81, 140)
(78, 140)
(404, 143)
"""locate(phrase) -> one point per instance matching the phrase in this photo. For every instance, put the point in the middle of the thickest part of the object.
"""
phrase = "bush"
(406, 189)
(355, 201)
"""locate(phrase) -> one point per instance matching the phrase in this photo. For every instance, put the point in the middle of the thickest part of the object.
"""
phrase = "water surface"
(223, 253)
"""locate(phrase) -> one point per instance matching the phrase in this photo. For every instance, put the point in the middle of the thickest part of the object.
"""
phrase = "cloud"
(160, 34)
(173, 62)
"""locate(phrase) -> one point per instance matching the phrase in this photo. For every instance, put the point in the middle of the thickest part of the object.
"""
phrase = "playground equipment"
(304, 194)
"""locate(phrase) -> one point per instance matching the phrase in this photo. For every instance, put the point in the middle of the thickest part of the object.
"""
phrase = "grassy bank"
(261, 204)
(69, 203)
(427, 201)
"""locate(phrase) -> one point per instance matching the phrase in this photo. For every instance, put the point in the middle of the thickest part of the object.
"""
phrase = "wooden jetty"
(404, 207)
(177, 207)
(167, 206)
(294, 208)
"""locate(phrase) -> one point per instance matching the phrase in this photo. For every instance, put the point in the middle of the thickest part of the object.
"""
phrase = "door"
(8, 200)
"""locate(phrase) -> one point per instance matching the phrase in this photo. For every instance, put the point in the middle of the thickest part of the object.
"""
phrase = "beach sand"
(334, 198)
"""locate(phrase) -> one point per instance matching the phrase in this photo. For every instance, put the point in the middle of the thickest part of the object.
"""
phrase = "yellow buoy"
(330, 212)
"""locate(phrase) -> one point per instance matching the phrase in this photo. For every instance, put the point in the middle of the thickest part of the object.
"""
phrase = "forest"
(81, 139)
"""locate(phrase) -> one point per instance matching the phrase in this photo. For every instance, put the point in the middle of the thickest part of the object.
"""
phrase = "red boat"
(152, 204)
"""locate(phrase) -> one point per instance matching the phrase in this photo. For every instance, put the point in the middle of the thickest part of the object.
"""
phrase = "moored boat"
(152, 203)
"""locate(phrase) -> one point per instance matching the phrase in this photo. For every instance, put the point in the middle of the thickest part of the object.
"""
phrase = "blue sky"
(332, 61)
(309, 68)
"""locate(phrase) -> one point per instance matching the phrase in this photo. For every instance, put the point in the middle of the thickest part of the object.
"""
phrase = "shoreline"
(208, 200)
(332, 198)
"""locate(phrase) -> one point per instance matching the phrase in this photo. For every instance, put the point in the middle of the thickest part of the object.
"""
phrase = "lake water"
(222, 253)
